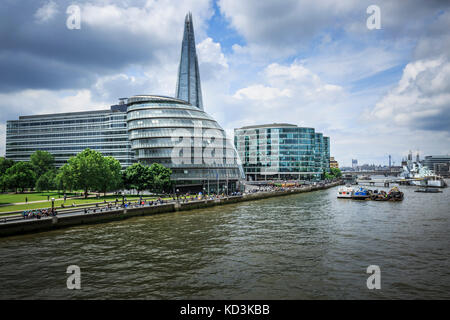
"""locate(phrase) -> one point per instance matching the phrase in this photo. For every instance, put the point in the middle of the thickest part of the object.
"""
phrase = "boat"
(365, 178)
(379, 196)
(428, 190)
(418, 175)
(395, 194)
(345, 192)
(361, 194)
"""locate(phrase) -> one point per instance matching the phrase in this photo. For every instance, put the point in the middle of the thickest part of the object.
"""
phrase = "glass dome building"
(184, 138)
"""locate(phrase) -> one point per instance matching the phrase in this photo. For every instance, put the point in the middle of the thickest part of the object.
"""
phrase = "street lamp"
(53, 206)
(178, 190)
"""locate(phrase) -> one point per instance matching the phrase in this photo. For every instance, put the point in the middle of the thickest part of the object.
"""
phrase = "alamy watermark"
(73, 21)
(200, 145)
(374, 281)
(374, 20)
(74, 280)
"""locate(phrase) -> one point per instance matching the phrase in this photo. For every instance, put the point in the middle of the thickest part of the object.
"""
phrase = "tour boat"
(361, 194)
(345, 192)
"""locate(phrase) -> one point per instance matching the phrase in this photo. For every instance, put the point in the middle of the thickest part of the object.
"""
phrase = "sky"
(374, 92)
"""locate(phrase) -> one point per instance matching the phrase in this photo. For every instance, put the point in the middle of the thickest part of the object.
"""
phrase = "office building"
(64, 135)
(440, 164)
(333, 163)
(282, 151)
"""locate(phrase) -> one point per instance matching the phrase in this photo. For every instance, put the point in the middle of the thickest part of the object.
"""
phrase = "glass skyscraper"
(188, 83)
(282, 151)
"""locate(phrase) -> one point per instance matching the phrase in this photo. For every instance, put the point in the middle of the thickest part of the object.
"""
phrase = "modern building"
(333, 163)
(66, 134)
(175, 132)
(188, 82)
(440, 164)
(282, 151)
(184, 138)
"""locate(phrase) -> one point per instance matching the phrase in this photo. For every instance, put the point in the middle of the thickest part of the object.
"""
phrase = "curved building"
(186, 139)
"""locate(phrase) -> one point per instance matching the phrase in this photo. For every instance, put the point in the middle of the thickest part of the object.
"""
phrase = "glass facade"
(179, 136)
(188, 83)
(281, 151)
(66, 134)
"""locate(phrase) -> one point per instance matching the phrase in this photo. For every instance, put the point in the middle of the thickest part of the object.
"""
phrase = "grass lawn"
(35, 196)
(48, 204)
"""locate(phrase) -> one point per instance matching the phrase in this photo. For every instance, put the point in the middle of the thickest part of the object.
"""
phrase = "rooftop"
(271, 125)
(154, 98)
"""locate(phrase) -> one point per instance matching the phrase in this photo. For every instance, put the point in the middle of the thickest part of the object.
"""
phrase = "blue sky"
(311, 63)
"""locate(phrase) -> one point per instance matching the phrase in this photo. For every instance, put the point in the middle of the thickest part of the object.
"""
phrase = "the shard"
(188, 82)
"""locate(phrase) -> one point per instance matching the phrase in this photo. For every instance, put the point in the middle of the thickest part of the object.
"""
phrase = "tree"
(336, 172)
(20, 176)
(46, 181)
(84, 170)
(5, 164)
(139, 177)
(111, 178)
(64, 179)
(161, 178)
(42, 162)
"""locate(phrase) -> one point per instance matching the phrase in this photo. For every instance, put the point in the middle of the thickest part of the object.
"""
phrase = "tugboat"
(379, 196)
(361, 194)
(395, 194)
(345, 192)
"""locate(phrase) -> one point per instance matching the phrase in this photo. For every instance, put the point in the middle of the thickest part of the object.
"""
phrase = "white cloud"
(159, 19)
(209, 51)
(292, 81)
(261, 92)
(46, 12)
(420, 100)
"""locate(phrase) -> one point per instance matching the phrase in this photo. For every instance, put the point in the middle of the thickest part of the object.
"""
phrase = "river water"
(305, 246)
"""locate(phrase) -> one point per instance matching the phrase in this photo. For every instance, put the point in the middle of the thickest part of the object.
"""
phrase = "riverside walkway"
(17, 224)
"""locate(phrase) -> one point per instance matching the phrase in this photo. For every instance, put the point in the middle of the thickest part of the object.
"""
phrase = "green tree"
(5, 164)
(111, 178)
(42, 162)
(20, 176)
(139, 177)
(64, 179)
(46, 181)
(161, 178)
(336, 172)
(85, 170)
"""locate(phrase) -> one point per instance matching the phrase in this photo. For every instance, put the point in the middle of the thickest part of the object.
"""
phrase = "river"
(304, 246)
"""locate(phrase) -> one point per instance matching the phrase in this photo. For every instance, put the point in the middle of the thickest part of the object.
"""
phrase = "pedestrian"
(26, 199)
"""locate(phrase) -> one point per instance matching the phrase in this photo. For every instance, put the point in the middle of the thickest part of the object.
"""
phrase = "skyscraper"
(188, 82)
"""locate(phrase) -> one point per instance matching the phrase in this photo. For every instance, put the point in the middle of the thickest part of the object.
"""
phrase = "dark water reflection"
(308, 246)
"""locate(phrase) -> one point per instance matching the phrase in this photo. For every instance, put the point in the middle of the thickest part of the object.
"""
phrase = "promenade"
(105, 212)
